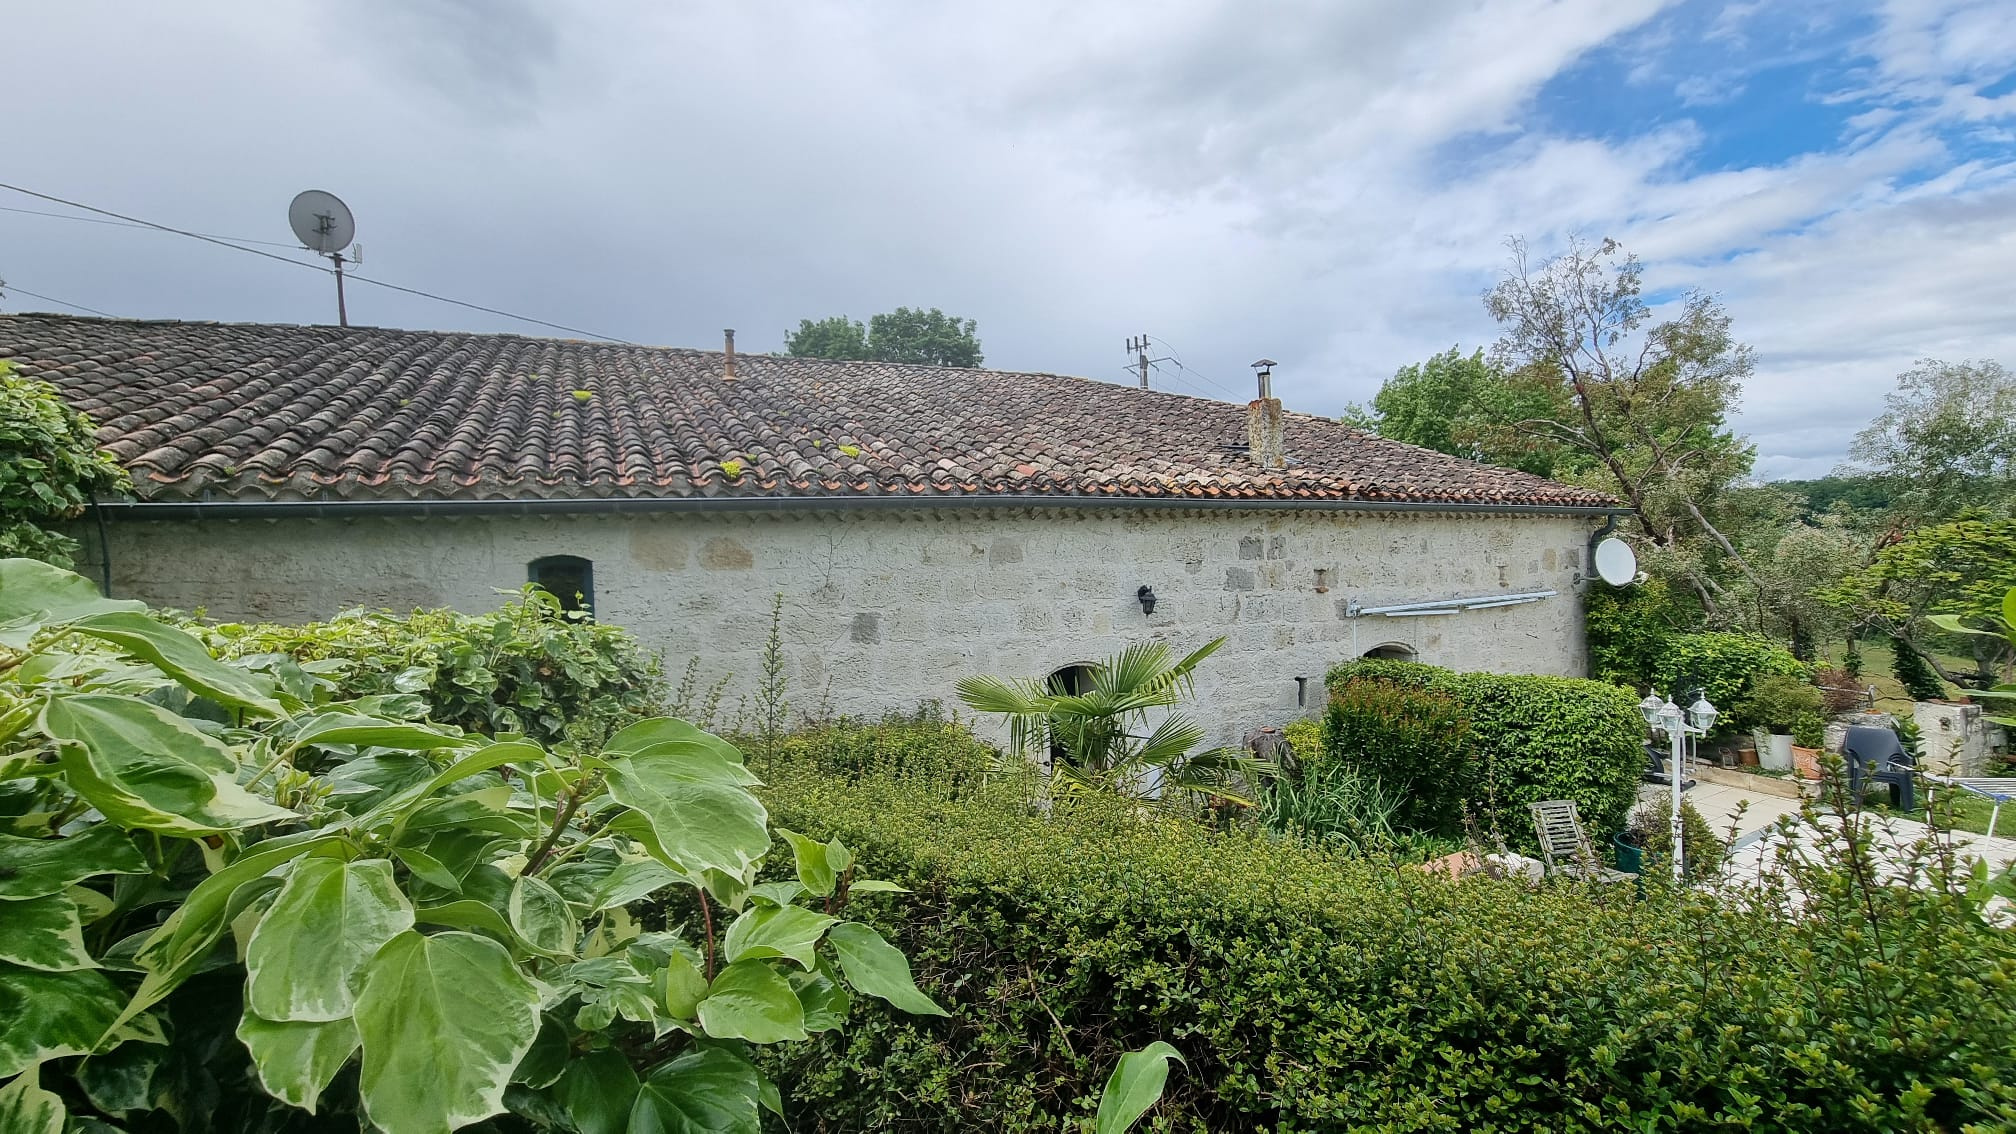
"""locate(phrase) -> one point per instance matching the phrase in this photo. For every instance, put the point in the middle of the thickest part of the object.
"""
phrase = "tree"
(837, 337)
(1956, 570)
(1946, 440)
(50, 469)
(1646, 407)
(1466, 406)
(914, 336)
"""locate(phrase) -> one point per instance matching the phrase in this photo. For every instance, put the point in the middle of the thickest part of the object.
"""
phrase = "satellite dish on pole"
(1616, 562)
(324, 226)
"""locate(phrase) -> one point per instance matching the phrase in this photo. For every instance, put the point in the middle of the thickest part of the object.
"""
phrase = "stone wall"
(882, 610)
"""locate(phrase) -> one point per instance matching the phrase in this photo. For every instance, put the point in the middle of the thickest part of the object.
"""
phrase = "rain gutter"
(346, 509)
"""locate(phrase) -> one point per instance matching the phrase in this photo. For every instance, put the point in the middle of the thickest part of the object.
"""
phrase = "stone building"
(921, 524)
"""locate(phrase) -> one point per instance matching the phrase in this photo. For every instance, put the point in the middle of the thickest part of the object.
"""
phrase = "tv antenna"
(324, 226)
(1138, 347)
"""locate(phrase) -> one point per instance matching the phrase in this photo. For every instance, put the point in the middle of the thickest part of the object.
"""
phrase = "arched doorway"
(1390, 651)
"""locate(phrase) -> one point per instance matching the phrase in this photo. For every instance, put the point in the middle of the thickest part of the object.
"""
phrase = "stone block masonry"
(885, 609)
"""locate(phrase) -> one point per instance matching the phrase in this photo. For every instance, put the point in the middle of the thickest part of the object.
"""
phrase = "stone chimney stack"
(728, 366)
(1265, 430)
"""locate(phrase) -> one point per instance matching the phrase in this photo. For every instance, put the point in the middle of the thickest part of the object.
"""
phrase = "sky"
(1327, 183)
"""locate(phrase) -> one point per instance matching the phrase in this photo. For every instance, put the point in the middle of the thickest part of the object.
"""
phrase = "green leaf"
(123, 1078)
(598, 1090)
(330, 918)
(145, 767)
(778, 893)
(692, 826)
(838, 857)
(444, 1021)
(1135, 1085)
(776, 931)
(178, 654)
(339, 725)
(682, 985)
(875, 886)
(297, 1059)
(177, 948)
(814, 871)
(471, 914)
(43, 933)
(33, 595)
(704, 1091)
(50, 1015)
(399, 807)
(646, 734)
(31, 868)
(750, 1001)
(2009, 609)
(25, 1108)
(824, 1000)
(541, 916)
(875, 967)
(546, 1060)
(630, 882)
(428, 869)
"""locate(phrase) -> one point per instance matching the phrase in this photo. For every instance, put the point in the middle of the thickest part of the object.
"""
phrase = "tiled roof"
(262, 412)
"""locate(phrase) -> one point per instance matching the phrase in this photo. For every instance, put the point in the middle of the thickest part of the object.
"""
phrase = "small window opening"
(1391, 651)
(569, 578)
(1074, 681)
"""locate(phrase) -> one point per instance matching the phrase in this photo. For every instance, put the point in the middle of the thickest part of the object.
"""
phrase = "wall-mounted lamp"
(1147, 596)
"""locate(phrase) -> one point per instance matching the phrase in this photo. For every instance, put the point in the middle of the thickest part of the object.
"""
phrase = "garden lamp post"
(1678, 724)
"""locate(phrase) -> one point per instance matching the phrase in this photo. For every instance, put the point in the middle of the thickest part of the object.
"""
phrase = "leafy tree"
(1959, 570)
(1466, 406)
(838, 337)
(907, 335)
(1819, 496)
(1646, 407)
(219, 895)
(1100, 737)
(1946, 440)
(50, 468)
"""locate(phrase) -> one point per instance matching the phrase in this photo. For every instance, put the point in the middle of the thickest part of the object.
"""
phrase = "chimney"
(728, 366)
(1264, 429)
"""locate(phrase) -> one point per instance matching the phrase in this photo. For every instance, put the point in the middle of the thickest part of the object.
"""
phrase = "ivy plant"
(224, 906)
(49, 469)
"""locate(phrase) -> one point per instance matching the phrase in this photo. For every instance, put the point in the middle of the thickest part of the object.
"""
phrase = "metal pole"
(342, 312)
(1677, 773)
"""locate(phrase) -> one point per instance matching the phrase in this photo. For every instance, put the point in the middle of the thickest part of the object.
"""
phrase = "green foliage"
(1809, 730)
(1651, 827)
(1305, 739)
(1467, 406)
(218, 898)
(923, 745)
(1722, 666)
(906, 335)
(1413, 743)
(528, 667)
(1630, 629)
(1959, 569)
(1818, 497)
(50, 468)
(1099, 739)
(1946, 440)
(1532, 738)
(1777, 701)
(1310, 991)
(1338, 804)
(1920, 681)
(1136, 1085)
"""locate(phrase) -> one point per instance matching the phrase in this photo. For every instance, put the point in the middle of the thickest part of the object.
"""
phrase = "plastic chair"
(1875, 756)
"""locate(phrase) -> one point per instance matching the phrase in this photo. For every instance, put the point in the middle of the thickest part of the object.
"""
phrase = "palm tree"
(1099, 735)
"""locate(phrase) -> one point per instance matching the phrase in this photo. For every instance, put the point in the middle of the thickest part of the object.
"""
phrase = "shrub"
(1412, 742)
(1534, 738)
(1628, 629)
(1839, 690)
(1777, 701)
(921, 745)
(1305, 740)
(1337, 803)
(1651, 827)
(1809, 730)
(50, 468)
(1722, 666)
(1920, 681)
(378, 922)
(1313, 992)
(528, 667)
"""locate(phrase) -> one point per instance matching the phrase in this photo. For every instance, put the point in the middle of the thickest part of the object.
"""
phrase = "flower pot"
(1746, 757)
(1806, 762)
(1777, 752)
(1630, 857)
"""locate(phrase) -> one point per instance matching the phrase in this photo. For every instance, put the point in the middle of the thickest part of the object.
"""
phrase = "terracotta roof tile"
(285, 412)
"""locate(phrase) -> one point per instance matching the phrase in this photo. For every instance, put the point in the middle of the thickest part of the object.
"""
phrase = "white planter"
(1776, 752)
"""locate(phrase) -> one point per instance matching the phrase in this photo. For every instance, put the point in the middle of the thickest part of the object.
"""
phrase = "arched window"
(1391, 651)
(1073, 680)
(569, 578)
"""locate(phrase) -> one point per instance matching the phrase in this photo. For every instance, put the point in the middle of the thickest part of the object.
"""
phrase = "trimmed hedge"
(1415, 741)
(1532, 738)
(1310, 992)
(1723, 666)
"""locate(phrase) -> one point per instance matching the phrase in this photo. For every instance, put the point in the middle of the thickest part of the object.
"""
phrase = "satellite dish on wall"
(1616, 563)
(321, 222)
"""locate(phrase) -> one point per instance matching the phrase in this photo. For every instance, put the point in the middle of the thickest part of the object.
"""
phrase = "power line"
(129, 224)
(139, 222)
(1176, 356)
(52, 299)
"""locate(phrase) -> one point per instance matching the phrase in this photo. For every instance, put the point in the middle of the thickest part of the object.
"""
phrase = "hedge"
(1309, 992)
(1722, 666)
(1533, 738)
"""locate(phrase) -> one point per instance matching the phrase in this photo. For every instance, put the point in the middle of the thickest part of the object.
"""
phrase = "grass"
(1958, 811)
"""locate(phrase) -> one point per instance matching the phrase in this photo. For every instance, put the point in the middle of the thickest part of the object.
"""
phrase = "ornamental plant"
(49, 469)
(224, 907)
